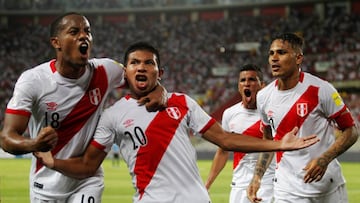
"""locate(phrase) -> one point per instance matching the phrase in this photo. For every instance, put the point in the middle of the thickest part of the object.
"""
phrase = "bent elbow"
(10, 146)
(7, 148)
(354, 137)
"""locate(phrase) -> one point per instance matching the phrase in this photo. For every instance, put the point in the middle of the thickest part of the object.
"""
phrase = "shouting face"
(248, 85)
(73, 41)
(142, 72)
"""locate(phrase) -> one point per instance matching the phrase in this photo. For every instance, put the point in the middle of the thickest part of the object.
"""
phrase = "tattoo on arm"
(264, 160)
(265, 157)
(342, 143)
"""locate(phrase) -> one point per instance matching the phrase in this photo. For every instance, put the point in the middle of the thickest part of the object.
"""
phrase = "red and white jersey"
(245, 121)
(312, 105)
(72, 107)
(157, 148)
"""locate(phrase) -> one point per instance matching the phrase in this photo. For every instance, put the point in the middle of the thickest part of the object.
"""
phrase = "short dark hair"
(141, 46)
(296, 41)
(55, 26)
(253, 67)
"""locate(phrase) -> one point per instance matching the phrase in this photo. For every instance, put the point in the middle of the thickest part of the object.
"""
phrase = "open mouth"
(275, 67)
(141, 78)
(141, 82)
(83, 48)
(247, 93)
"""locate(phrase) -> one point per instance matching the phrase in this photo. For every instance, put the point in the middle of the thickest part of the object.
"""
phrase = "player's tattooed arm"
(344, 140)
(262, 164)
(265, 158)
(316, 168)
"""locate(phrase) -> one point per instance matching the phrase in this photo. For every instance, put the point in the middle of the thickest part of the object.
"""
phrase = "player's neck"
(287, 83)
(249, 105)
(70, 71)
(134, 96)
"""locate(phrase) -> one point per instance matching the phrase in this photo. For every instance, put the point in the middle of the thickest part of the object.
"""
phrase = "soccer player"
(156, 145)
(313, 105)
(116, 155)
(60, 102)
(244, 118)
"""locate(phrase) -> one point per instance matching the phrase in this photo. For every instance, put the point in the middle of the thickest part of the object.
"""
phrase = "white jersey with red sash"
(72, 107)
(245, 121)
(313, 105)
(157, 148)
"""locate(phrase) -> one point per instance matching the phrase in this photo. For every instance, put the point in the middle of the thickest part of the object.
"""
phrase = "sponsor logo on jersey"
(95, 96)
(173, 112)
(51, 106)
(302, 109)
(128, 123)
(38, 185)
(270, 113)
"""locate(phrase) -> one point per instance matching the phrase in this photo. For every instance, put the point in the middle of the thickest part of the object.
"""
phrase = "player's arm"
(347, 137)
(263, 162)
(343, 142)
(156, 99)
(13, 141)
(77, 167)
(233, 142)
(218, 163)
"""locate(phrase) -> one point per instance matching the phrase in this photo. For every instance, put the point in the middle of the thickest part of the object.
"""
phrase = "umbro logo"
(51, 106)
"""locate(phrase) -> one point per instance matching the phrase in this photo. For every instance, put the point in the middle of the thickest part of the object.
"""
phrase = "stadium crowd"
(90, 4)
(190, 49)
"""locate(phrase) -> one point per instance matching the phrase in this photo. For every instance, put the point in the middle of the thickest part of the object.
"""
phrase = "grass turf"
(118, 188)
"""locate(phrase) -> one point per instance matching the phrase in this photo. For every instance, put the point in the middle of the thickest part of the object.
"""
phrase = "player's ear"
(263, 84)
(124, 68)
(161, 72)
(299, 58)
(54, 41)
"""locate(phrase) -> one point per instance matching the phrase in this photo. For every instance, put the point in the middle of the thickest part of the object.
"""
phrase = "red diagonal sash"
(159, 133)
(81, 112)
(294, 117)
(254, 131)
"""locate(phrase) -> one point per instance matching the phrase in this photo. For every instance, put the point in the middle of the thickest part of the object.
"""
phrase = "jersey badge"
(302, 109)
(337, 99)
(95, 96)
(173, 112)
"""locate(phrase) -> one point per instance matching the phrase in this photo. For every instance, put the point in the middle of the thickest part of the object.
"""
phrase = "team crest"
(173, 112)
(95, 96)
(302, 109)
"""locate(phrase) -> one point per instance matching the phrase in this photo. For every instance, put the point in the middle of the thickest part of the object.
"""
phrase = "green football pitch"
(118, 188)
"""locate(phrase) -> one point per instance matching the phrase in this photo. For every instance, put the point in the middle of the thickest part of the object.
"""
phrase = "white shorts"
(240, 195)
(338, 196)
(84, 195)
